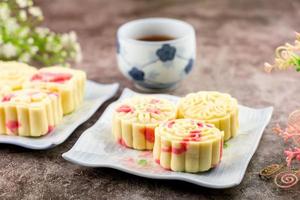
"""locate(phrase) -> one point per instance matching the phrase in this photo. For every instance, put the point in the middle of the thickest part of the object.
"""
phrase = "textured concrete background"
(234, 39)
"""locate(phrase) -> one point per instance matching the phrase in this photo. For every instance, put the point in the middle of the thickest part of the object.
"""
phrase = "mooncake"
(212, 107)
(188, 145)
(13, 75)
(135, 119)
(29, 112)
(69, 83)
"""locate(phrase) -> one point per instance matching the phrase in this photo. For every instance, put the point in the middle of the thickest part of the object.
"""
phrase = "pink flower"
(289, 133)
(291, 155)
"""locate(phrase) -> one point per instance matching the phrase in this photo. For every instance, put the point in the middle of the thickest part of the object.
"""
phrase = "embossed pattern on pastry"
(13, 75)
(135, 119)
(69, 83)
(188, 145)
(29, 112)
(216, 108)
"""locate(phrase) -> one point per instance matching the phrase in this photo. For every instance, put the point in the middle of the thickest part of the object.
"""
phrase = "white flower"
(4, 12)
(22, 3)
(34, 50)
(14, 16)
(78, 57)
(52, 46)
(77, 47)
(36, 12)
(63, 53)
(42, 31)
(65, 39)
(30, 40)
(68, 39)
(23, 32)
(23, 15)
(25, 57)
(11, 25)
(72, 37)
(8, 50)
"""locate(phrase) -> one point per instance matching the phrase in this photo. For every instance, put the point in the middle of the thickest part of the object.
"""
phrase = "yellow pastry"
(187, 145)
(13, 75)
(135, 119)
(29, 112)
(69, 83)
(212, 107)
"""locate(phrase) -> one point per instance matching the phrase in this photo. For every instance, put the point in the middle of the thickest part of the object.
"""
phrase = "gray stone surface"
(234, 39)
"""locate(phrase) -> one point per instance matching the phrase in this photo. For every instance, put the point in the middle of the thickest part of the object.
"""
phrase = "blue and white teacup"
(156, 65)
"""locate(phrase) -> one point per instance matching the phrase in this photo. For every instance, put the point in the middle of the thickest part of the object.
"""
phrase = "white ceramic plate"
(96, 148)
(96, 94)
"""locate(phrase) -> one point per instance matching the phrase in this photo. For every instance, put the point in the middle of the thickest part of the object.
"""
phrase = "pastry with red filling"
(135, 119)
(13, 75)
(29, 112)
(68, 83)
(188, 145)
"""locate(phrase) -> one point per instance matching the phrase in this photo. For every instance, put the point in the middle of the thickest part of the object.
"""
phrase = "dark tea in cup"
(156, 38)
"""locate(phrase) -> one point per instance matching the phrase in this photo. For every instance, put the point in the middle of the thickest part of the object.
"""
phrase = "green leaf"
(226, 145)
(295, 60)
(142, 162)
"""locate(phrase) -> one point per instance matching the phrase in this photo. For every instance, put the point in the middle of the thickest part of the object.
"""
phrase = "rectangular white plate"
(96, 148)
(95, 95)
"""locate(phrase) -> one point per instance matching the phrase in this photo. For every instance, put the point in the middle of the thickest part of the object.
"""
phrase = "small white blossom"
(23, 33)
(78, 57)
(34, 50)
(72, 37)
(50, 39)
(21, 3)
(24, 3)
(36, 12)
(42, 31)
(30, 40)
(77, 47)
(8, 50)
(65, 39)
(11, 25)
(52, 46)
(25, 57)
(23, 15)
(4, 12)
(68, 39)
(16, 26)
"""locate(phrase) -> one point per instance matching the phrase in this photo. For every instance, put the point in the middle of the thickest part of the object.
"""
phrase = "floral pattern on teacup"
(118, 46)
(166, 56)
(189, 66)
(136, 74)
(166, 53)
